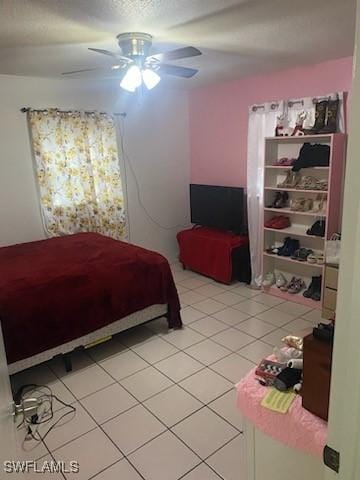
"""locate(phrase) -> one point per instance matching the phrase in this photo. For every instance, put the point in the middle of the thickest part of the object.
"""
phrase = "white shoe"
(280, 280)
(268, 280)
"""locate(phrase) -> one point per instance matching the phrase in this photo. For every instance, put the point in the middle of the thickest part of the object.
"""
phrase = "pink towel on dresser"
(298, 428)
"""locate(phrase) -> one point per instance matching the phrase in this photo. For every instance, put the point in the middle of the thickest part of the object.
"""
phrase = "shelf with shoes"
(289, 259)
(307, 210)
(294, 230)
(288, 211)
(289, 167)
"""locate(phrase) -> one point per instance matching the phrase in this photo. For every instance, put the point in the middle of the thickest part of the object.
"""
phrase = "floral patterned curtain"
(78, 172)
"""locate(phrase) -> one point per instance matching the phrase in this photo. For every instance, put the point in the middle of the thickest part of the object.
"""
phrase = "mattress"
(56, 290)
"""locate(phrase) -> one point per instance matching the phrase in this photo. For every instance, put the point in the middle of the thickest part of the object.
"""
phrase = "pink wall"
(219, 115)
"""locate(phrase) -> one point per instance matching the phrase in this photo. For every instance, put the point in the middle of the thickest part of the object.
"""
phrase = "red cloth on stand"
(208, 251)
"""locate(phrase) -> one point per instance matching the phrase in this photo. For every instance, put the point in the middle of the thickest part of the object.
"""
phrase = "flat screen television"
(218, 207)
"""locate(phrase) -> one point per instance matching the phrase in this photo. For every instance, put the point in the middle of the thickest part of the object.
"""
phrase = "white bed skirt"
(125, 323)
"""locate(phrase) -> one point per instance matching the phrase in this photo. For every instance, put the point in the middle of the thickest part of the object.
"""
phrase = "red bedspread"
(54, 291)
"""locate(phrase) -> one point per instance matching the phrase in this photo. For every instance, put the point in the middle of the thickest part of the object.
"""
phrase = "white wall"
(156, 141)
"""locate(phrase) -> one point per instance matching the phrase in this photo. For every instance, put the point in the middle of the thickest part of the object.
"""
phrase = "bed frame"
(137, 318)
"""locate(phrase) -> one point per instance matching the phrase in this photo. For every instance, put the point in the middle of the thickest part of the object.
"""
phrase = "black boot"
(331, 117)
(277, 199)
(320, 113)
(316, 295)
(310, 290)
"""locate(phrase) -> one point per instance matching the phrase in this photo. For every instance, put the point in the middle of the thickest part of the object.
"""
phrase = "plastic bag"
(332, 249)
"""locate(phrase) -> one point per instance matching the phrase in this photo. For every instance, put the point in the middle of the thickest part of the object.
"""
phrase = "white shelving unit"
(276, 148)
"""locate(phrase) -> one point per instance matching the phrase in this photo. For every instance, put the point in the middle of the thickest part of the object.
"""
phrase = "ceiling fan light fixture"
(150, 78)
(132, 79)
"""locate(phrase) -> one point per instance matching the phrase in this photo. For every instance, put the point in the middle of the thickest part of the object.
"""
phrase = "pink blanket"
(298, 428)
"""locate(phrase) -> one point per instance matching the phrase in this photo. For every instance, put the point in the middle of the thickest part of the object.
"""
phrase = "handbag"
(332, 249)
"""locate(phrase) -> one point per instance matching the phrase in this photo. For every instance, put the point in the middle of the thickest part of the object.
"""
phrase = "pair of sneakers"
(271, 278)
(294, 286)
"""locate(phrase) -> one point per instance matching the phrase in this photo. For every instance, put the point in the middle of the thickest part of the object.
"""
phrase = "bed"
(65, 292)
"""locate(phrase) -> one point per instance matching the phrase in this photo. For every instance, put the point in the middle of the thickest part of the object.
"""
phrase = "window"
(78, 172)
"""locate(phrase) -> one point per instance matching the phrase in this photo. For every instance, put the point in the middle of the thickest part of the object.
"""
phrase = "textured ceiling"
(237, 37)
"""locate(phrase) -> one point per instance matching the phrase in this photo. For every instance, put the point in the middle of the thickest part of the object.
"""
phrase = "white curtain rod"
(28, 109)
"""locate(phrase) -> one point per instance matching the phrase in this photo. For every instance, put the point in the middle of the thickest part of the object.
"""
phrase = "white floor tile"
(159, 326)
(122, 470)
(209, 290)
(274, 338)
(233, 339)
(208, 326)
(233, 367)
(314, 316)
(269, 300)
(124, 365)
(27, 448)
(172, 405)
(56, 388)
(181, 275)
(202, 472)
(245, 291)
(298, 325)
(89, 380)
(275, 317)
(43, 476)
(225, 406)
(106, 350)
(255, 327)
(207, 352)
(135, 336)
(181, 289)
(212, 432)
(132, 429)
(206, 385)
(190, 298)
(93, 451)
(70, 427)
(80, 361)
(229, 462)
(228, 298)
(179, 366)
(256, 351)
(155, 350)
(195, 282)
(108, 403)
(231, 316)
(146, 383)
(293, 308)
(209, 306)
(164, 458)
(39, 375)
(190, 314)
(251, 307)
(183, 338)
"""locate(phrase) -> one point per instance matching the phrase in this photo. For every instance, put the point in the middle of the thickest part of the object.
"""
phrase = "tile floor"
(158, 405)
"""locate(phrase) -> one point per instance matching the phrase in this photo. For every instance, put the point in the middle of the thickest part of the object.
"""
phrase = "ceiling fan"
(139, 66)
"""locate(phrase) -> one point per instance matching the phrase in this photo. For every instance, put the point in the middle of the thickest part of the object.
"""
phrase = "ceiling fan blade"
(90, 70)
(184, 52)
(176, 70)
(111, 54)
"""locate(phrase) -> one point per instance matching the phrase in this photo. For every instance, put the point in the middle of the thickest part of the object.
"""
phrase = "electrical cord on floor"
(137, 185)
(32, 423)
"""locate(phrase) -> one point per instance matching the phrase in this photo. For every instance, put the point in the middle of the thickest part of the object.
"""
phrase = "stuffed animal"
(298, 130)
(281, 130)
